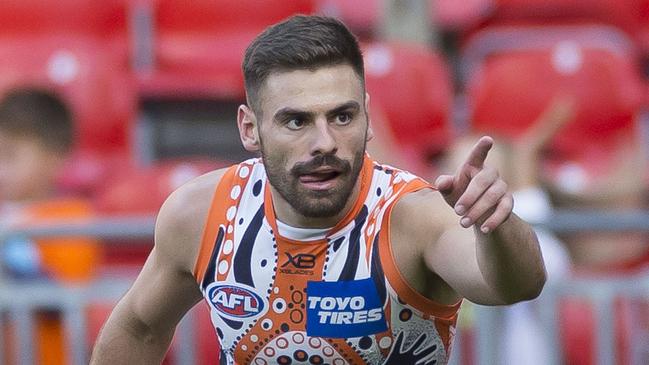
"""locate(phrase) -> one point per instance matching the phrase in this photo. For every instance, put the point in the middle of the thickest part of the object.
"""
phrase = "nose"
(323, 141)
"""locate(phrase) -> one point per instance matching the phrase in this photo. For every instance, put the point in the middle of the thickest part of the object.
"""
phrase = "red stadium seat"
(362, 16)
(214, 16)
(206, 340)
(198, 46)
(632, 16)
(89, 77)
(469, 17)
(106, 20)
(85, 171)
(622, 13)
(412, 84)
(578, 329)
(453, 15)
(143, 190)
(98, 18)
(513, 73)
(79, 50)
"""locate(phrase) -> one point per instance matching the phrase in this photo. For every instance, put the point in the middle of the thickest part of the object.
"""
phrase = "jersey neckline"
(365, 177)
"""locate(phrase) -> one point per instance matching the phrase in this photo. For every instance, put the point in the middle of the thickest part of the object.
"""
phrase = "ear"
(247, 123)
(370, 132)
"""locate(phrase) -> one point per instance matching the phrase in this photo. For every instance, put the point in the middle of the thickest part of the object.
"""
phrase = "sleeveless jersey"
(338, 300)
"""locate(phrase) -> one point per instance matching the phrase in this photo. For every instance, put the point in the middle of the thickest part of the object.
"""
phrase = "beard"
(314, 203)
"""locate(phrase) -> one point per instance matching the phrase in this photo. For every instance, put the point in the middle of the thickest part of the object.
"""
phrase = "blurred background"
(108, 106)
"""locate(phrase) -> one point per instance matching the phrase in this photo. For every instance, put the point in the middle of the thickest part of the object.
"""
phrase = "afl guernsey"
(338, 299)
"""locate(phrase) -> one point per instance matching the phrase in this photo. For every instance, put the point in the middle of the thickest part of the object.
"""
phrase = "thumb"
(444, 183)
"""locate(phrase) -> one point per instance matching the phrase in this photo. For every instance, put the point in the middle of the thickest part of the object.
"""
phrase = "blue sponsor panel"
(344, 309)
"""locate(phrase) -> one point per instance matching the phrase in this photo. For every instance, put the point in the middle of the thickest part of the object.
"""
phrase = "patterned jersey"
(336, 300)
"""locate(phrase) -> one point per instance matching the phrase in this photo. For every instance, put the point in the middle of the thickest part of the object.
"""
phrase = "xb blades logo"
(300, 261)
(301, 264)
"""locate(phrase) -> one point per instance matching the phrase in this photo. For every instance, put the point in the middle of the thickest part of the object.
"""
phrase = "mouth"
(320, 179)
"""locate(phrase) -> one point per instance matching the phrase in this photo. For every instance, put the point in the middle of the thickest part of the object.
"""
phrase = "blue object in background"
(20, 258)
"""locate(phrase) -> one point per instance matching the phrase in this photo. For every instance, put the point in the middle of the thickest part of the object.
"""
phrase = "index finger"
(479, 152)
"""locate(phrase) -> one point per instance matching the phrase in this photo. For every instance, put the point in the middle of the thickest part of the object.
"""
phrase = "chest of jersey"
(274, 300)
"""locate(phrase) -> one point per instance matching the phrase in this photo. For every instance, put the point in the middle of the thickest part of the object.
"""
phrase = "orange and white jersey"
(336, 299)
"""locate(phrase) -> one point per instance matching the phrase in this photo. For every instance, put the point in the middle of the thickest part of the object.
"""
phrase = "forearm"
(510, 260)
(121, 342)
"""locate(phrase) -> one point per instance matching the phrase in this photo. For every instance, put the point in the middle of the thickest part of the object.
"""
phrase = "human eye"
(343, 118)
(295, 123)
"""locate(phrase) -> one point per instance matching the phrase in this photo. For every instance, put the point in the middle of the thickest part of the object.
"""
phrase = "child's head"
(35, 137)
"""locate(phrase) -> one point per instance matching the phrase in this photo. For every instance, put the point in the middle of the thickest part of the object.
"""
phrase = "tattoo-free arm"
(497, 260)
(142, 324)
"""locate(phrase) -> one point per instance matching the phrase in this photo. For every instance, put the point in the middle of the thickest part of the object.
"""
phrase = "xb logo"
(300, 261)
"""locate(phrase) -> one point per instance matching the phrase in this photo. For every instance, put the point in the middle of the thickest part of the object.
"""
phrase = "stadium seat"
(632, 16)
(85, 171)
(362, 16)
(453, 15)
(81, 17)
(642, 35)
(90, 78)
(198, 46)
(578, 323)
(621, 13)
(137, 190)
(105, 21)
(79, 50)
(133, 191)
(412, 84)
(513, 73)
(207, 342)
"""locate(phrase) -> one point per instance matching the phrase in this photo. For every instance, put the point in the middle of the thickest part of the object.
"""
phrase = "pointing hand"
(476, 192)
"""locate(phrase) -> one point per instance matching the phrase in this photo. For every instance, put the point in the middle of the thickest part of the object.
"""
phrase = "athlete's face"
(312, 137)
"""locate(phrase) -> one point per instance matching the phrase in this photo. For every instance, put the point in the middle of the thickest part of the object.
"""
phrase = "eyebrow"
(350, 105)
(291, 112)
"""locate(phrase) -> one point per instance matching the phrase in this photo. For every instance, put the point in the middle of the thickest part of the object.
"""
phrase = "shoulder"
(179, 225)
(422, 213)
(418, 221)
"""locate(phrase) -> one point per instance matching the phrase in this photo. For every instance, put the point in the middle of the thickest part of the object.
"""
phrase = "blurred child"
(36, 136)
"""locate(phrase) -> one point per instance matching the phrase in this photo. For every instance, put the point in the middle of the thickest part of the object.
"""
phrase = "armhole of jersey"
(210, 229)
(406, 292)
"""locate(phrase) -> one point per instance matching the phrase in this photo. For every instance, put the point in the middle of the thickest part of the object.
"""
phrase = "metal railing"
(20, 300)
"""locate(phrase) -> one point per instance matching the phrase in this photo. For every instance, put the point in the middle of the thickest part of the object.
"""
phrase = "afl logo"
(235, 302)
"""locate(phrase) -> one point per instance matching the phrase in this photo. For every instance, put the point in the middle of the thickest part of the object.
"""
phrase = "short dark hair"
(299, 42)
(37, 114)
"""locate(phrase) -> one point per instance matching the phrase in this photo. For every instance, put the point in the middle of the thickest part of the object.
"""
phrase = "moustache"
(304, 168)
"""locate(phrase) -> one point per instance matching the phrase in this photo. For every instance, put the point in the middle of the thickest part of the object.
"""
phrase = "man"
(314, 253)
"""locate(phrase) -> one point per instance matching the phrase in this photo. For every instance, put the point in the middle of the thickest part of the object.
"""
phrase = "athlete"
(314, 253)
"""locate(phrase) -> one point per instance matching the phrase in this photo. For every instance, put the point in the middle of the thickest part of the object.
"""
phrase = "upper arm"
(166, 289)
(430, 228)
